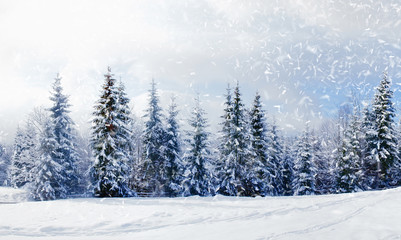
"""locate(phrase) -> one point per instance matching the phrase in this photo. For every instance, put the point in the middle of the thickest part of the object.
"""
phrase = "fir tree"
(304, 178)
(385, 153)
(23, 158)
(349, 165)
(287, 169)
(198, 175)
(65, 153)
(275, 152)
(235, 149)
(154, 145)
(382, 136)
(49, 177)
(109, 171)
(172, 153)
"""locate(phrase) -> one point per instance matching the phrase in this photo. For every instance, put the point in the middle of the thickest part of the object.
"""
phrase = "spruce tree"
(198, 166)
(385, 153)
(304, 177)
(235, 149)
(174, 168)
(275, 152)
(23, 158)
(48, 172)
(349, 166)
(65, 153)
(109, 171)
(154, 145)
(287, 168)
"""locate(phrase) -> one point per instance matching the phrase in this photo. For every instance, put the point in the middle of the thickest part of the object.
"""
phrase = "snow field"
(367, 215)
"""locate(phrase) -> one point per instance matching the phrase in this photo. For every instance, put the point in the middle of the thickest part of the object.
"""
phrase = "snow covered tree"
(124, 132)
(5, 163)
(235, 149)
(304, 177)
(49, 179)
(266, 153)
(287, 168)
(154, 144)
(109, 171)
(198, 174)
(349, 166)
(275, 152)
(174, 168)
(23, 158)
(384, 155)
(65, 152)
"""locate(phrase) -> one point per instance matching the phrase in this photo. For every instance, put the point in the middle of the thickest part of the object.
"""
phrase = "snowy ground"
(369, 215)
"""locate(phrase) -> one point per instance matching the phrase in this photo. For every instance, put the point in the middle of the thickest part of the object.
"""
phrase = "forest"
(152, 156)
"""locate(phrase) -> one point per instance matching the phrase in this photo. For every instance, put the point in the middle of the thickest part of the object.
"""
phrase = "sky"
(306, 58)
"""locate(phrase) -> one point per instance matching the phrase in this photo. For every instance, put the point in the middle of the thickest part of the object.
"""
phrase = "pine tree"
(174, 168)
(386, 153)
(65, 153)
(235, 149)
(304, 177)
(23, 158)
(368, 141)
(198, 174)
(49, 177)
(349, 165)
(109, 171)
(154, 145)
(124, 133)
(287, 169)
(275, 152)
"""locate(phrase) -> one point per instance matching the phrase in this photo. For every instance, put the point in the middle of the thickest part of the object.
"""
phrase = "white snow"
(367, 215)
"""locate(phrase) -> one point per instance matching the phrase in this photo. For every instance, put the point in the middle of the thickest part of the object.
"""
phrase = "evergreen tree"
(154, 145)
(109, 171)
(287, 169)
(49, 177)
(174, 168)
(369, 165)
(235, 149)
(23, 158)
(304, 179)
(124, 132)
(275, 152)
(65, 153)
(385, 153)
(349, 165)
(261, 169)
(198, 174)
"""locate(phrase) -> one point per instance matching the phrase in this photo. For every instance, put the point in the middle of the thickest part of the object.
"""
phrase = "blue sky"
(304, 57)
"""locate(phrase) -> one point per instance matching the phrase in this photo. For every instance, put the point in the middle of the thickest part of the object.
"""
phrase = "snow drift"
(366, 215)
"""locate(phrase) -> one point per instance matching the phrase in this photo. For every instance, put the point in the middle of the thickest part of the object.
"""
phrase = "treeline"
(248, 157)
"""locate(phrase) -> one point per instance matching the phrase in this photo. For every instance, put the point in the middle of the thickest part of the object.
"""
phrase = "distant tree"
(198, 167)
(174, 165)
(304, 177)
(154, 145)
(5, 163)
(110, 170)
(23, 158)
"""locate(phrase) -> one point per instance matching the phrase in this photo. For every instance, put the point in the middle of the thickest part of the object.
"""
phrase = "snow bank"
(12, 195)
(367, 215)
